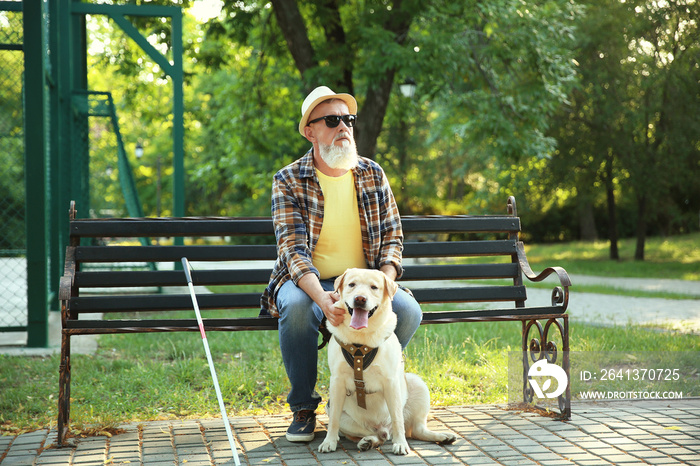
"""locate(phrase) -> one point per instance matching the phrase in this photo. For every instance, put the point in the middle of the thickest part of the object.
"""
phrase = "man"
(331, 210)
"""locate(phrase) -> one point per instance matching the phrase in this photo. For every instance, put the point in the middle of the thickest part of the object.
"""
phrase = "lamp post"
(408, 90)
(138, 152)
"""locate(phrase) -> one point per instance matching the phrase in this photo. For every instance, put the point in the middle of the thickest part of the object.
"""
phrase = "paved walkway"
(642, 432)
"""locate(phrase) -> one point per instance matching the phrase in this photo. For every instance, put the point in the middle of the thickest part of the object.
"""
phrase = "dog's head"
(362, 293)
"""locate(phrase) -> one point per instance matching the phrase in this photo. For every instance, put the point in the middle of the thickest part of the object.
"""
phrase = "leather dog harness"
(359, 357)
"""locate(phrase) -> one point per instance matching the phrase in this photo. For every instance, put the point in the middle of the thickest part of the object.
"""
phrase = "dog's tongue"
(359, 319)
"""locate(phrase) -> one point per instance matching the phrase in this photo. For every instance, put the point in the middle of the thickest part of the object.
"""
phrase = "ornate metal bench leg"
(543, 346)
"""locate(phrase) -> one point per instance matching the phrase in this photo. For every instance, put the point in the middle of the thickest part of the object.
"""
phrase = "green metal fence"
(50, 129)
(13, 247)
(111, 182)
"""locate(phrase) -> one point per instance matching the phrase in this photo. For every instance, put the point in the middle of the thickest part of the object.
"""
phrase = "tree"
(587, 155)
(664, 90)
(630, 124)
(488, 74)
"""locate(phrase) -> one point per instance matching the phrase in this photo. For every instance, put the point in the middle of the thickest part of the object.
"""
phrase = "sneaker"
(303, 426)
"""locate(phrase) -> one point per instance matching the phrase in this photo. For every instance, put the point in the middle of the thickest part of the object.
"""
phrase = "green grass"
(673, 257)
(165, 375)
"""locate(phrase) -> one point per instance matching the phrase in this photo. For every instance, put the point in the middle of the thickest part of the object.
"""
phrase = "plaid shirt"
(297, 214)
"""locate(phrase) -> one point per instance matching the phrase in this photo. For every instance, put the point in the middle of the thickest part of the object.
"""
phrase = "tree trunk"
(588, 229)
(641, 227)
(371, 114)
(293, 28)
(612, 210)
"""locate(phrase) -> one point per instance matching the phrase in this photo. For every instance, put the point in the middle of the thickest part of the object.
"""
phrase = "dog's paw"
(401, 448)
(448, 439)
(369, 442)
(365, 444)
(328, 445)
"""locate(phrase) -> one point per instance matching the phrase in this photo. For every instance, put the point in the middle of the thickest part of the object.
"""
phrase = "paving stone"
(618, 433)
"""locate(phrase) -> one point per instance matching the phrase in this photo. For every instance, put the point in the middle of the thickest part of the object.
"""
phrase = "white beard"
(342, 157)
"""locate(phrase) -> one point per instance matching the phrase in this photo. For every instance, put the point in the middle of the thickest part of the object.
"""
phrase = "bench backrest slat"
(460, 223)
(147, 278)
(175, 253)
(165, 302)
(268, 252)
(168, 227)
(459, 271)
(228, 226)
(459, 248)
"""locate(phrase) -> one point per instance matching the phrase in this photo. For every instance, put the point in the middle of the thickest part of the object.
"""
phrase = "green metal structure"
(56, 112)
(100, 104)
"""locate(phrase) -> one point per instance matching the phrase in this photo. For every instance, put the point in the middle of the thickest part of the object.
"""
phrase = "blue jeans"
(298, 331)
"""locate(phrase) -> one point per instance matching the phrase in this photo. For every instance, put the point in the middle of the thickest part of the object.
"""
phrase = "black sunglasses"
(333, 121)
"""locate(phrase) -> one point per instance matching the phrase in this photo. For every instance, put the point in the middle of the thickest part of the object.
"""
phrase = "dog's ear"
(339, 282)
(390, 287)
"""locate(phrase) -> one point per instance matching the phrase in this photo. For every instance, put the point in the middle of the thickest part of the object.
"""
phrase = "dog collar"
(359, 357)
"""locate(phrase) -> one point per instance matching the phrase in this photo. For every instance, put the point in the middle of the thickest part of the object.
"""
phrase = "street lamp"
(138, 150)
(408, 88)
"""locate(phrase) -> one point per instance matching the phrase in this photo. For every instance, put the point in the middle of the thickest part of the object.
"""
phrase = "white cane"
(186, 267)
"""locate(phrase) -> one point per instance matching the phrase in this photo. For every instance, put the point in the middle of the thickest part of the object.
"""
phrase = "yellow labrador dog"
(371, 399)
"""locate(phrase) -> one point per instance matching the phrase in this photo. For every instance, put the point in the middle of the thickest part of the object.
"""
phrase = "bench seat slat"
(148, 278)
(169, 325)
(105, 254)
(445, 317)
(269, 323)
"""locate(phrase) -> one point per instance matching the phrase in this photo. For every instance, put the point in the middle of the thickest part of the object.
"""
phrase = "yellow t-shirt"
(339, 245)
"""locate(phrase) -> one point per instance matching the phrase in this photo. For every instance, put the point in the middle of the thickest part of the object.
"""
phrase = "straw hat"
(319, 95)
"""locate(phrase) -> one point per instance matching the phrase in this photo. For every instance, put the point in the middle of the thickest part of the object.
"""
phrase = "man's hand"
(335, 315)
(325, 299)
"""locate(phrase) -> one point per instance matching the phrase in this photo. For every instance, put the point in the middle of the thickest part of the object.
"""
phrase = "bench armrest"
(560, 294)
(65, 284)
(64, 288)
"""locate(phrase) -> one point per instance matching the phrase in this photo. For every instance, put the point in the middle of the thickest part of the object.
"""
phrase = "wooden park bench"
(101, 276)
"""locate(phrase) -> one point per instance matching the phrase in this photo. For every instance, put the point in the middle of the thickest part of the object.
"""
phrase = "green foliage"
(513, 98)
(503, 73)
(12, 188)
(242, 145)
(626, 138)
(481, 79)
